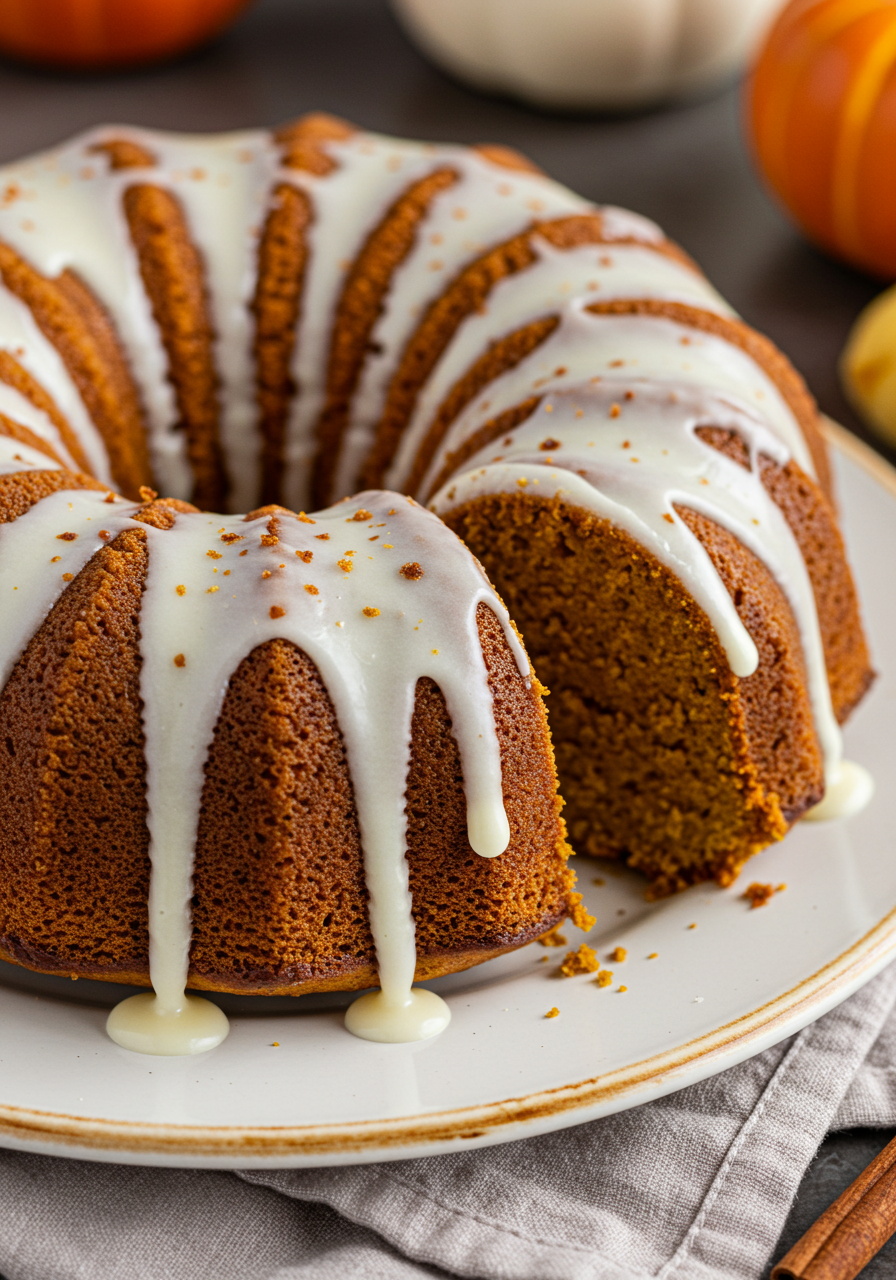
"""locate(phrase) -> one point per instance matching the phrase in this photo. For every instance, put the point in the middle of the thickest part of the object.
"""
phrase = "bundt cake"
(257, 753)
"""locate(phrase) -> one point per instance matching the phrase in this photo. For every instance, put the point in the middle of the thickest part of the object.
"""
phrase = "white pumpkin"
(577, 54)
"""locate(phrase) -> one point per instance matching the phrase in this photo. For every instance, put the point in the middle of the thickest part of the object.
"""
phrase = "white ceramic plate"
(714, 995)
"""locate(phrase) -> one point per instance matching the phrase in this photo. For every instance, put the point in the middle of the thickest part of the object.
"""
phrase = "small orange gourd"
(822, 116)
(93, 34)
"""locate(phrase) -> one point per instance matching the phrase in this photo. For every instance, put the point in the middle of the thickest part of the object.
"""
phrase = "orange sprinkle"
(66, 537)
(67, 577)
(180, 660)
(615, 411)
(653, 955)
(305, 556)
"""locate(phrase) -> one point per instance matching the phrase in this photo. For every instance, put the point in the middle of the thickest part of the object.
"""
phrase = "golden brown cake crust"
(173, 276)
(282, 260)
(358, 310)
(81, 331)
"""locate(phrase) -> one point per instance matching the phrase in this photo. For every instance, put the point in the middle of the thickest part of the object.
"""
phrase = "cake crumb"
(269, 539)
(371, 612)
(582, 961)
(305, 519)
(692, 926)
(276, 1044)
(180, 660)
(554, 938)
(604, 978)
(580, 916)
(228, 538)
(213, 555)
(549, 445)
(622, 989)
(618, 955)
(147, 494)
(67, 577)
(312, 590)
(553, 1013)
(66, 537)
(181, 589)
(360, 515)
(277, 612)
(345, 564)
(654, 955)
(758, 894)
(322, 537)
(412, 571)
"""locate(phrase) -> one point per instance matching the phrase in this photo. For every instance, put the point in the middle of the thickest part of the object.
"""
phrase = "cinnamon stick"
(851, 1231)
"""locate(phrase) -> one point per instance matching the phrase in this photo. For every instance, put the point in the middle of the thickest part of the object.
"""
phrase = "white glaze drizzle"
(18, 409)
(36, 565)
(223, 184)
(370, 666)
(614, 349)
(630, 461)
(62, 210)
(487, 205)
(560, 283)
(36, 354)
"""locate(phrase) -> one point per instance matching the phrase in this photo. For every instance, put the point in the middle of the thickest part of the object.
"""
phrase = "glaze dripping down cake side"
(267, 322)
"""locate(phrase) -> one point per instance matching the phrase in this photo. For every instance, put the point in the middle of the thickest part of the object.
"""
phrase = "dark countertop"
(686, 167)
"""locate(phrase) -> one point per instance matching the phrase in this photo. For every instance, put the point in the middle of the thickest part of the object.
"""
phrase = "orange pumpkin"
(822, 114)
(108, 33)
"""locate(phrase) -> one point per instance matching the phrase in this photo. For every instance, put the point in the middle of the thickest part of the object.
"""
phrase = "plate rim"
(485, 1124)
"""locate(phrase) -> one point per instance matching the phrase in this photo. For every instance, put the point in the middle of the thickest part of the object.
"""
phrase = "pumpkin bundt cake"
(262, 752)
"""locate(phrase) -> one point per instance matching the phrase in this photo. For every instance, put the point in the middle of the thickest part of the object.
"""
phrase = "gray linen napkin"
(690, 1187)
